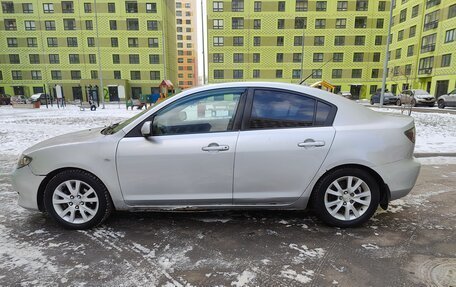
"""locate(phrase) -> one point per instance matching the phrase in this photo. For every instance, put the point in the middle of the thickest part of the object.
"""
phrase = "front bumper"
(27, 184)
(424, 101)
(400, 176)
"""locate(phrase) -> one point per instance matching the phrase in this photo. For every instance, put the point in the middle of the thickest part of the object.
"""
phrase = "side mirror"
(146, 129)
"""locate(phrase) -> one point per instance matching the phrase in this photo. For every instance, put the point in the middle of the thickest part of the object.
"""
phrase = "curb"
(415, 109)
(434, 154)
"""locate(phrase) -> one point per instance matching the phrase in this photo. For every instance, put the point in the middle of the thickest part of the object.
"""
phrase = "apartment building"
(423, 44)
(130, 44)
(187, 49)
(341, 42)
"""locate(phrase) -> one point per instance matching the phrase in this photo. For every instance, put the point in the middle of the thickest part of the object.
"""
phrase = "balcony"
(425, 71)
(427, 48)
(431, 25)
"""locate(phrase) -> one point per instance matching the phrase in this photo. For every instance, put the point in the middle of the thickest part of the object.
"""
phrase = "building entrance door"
(441, 88)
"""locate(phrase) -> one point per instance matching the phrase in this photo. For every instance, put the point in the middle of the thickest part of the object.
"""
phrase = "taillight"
(411, 134)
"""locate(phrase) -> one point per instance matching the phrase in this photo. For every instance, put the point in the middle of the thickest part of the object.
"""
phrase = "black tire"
(372, 102)
(441, 104)
(105, 205)
(398, 103)
(413, 103)
(318, 197)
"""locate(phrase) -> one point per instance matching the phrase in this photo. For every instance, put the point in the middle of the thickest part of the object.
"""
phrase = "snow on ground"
(435, 132)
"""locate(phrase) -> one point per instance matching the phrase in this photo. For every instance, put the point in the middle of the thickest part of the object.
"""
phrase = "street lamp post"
(385, 62)
(100, 73)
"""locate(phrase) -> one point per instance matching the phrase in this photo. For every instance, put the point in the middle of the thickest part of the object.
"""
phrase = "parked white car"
(227, 146)
(448, 100)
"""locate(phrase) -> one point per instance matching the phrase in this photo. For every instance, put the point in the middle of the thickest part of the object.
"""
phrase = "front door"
(281, 146)
(113, 94)
(355, 91)
(189, 159)
(441, 88)
(77, 93)
(18, 90)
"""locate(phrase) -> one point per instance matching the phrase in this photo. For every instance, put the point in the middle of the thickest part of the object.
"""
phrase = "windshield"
(114, 128)
(421, 92)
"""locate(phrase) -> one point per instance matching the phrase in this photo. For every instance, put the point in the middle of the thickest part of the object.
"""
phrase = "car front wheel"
(398, 102)
(441, 104)
(77, 199)
(346, 197)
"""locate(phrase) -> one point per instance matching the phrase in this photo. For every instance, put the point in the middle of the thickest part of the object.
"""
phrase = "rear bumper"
(27, 184)
(400, 176)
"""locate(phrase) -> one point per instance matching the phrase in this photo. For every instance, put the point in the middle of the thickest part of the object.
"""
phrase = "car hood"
(67, 139)
(423, 96)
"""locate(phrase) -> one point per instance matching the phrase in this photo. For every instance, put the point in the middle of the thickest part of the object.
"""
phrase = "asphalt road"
(412, 244)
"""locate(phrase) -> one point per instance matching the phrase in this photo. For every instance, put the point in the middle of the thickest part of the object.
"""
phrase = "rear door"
(284, 139)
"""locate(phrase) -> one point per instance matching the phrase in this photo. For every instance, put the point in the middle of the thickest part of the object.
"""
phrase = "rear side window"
(275, 109)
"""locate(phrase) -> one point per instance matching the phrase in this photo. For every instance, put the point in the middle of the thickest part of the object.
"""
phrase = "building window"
(10, 24)
(279, 74)
(219, 74)
(361, 22)
(380, 23)
(279, 58)
(378, 40)
(372, 89)
(48, 8)
(398, 53)
(16, 75)
(132, 24)
(217, 24)
(403, 15)
(337, 73)
(338, 57)
(298, 40)
(32, 42)
(238, 41)
(410, 50)
(300, 23)
(358, 57)
(56, 75)
(131, 7)
(238, 58)
(342, 5)
(301, 5)
(452, 11)
(361, 5)
(321, 6)
(133, 58)
(111, 7)
(316, 73)
(154, 59)
(7, 7)
(257, 6)
(54, 59)
(450, 35)
(296, 74)
(431, 20)
(49, 25)
(256, 74)
(217, 6)
(415, 10)
(30, 26)
(281, 6)
(238, 74)
(74, 58)
(52, 42)
(112, 24)
(14, 59)
(27, 8)
(320, 23)
(88, 7)
(36, 75)
(256, 57)
(115, 58)
(400, 35)
(217, 58)
(92, 59)
(412, 31)
(257, 24)
(446, 60)
(357, 73)
(34, 58)
(318, 57)
(281, 24)
(151, 7)
(153, 42)
(339, 40)
(360, 40)
(94, 74)
(432, 3)
(319, 40)
(155, 75)
(133, 42)
(381, 5)
(428, 43)
(426, 65)
(69, 24)
(135, 75)
(152, 25)
(408, 69)
(297, 57)
(89, 24)
(256, 41)
(341, 23)
(237, 5)
(72, 42)
(114, 42)
(90, 42)
(280, 41)
(75, 75)
(12, 42)
(218, 41)
(237, 23)
(117, 75)
(67, 7)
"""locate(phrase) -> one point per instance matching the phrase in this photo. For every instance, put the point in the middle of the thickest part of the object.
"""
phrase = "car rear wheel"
(398, 102)
(346, 197)
(77, 199)
(372, 102)
(413, 103)
(441, 104)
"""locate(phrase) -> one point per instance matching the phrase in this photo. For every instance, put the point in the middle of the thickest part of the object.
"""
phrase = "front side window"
(207, 113)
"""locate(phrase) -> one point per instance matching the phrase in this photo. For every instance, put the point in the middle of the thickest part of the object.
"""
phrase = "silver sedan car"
(227, 146)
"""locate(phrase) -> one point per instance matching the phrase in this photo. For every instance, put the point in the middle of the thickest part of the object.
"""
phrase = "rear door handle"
(215, 147)
(310, 143)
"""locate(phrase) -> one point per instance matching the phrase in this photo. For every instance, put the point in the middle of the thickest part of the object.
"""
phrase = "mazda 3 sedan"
(227, 146)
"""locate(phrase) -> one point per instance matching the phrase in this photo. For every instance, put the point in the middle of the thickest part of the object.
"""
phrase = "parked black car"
(5, 99)
(388, 99)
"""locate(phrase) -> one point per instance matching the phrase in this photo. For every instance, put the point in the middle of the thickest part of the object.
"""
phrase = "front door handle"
(311, 143)
(215, 147)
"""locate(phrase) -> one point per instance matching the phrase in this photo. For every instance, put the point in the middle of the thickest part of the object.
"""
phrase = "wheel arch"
(385, 194)
(49, 176)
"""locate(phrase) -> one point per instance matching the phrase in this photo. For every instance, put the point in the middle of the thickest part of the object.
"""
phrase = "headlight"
(24, 161)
